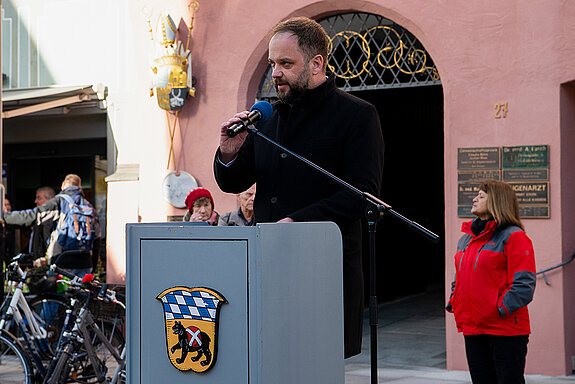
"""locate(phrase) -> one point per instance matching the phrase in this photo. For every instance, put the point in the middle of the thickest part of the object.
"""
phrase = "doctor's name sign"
(524, 167)
(191, 324)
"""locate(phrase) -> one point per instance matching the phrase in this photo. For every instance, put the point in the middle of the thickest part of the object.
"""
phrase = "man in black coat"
(335, 130)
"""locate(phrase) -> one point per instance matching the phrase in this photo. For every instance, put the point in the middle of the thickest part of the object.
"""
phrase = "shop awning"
(24, 101)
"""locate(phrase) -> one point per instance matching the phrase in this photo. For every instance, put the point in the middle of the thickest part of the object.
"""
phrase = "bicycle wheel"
(59, 369)
(15, 367)
(50, 311)
(81, 368)
(115, 337)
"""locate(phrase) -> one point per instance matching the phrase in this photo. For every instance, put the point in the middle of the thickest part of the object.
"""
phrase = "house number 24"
(500, 110)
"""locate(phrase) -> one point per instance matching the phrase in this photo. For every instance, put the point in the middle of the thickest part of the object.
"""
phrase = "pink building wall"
(486, 52)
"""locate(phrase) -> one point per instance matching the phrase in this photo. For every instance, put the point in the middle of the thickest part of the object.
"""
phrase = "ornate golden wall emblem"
(172, 67)
(173, 63)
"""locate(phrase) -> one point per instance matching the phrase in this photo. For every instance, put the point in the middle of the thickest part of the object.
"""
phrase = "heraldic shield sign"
(191, 320)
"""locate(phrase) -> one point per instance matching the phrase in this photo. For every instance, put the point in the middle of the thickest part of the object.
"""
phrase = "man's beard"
(296, 89)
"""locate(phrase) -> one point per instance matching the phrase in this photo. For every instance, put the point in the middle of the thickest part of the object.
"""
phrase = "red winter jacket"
(494, 281)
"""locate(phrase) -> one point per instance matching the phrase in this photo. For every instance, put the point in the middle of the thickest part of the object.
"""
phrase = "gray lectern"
(235, 305)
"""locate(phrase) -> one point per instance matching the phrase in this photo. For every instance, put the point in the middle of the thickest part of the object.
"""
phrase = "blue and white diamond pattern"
(197, 305)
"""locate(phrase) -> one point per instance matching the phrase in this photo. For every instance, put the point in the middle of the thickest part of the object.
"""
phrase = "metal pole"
(372, 301)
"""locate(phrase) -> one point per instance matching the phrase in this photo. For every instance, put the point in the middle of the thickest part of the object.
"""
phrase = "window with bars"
(370, 52)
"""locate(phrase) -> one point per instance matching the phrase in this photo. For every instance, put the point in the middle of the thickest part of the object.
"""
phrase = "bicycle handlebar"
(24, 259)
(100, 291)
(64, 272)
(16, 273)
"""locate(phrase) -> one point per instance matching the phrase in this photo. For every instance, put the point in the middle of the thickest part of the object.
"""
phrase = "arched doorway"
(381, 62)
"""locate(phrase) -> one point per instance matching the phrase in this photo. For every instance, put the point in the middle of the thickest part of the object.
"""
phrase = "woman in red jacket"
(494, 282)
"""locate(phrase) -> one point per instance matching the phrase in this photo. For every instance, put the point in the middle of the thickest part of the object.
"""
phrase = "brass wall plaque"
(531, 193)
(478, 176)
(475, 165)
(466, 192)
(525, 174)
(525, 168)
(464, 211)
(539, 211)
(479, 158)
(526, 156)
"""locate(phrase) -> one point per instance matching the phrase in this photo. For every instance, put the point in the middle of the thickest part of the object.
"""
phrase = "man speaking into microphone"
(337, 131)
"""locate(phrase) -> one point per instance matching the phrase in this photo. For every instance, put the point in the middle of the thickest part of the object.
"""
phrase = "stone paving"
(411, 346)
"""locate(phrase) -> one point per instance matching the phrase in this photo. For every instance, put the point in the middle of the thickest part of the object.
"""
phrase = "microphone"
(261, 110)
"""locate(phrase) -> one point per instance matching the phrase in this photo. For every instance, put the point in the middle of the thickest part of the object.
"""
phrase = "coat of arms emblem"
(173, 67)
(191, 322)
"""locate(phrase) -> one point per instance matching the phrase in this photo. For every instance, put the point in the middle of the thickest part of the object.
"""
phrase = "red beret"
(195, 194)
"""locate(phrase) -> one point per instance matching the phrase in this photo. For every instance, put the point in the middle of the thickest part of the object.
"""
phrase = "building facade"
(465, 90)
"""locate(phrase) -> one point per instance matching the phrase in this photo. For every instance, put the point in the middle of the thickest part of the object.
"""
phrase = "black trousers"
(496, 359)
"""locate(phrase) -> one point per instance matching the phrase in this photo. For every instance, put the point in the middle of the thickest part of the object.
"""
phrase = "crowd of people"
(44, 218)
(201, 208)
(495, 278)
(45, 221)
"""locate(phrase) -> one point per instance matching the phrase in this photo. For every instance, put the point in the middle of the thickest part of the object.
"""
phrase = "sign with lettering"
(478, 176)
(526, 156)
(531, 193)
(525, 168)
(525, 174)
(478, 158)
(541, 211)
(465, 194)
(475, 165)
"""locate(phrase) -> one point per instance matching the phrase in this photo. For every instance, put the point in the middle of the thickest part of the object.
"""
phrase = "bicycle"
(15, 366)
(23, 364)
(48, 308)
(21, 361)
(34, 327)
(87, 353)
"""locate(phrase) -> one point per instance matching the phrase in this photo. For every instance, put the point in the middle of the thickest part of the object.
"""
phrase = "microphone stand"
(374, 212)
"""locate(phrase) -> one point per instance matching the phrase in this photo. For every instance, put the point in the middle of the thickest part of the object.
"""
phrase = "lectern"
(253, 305)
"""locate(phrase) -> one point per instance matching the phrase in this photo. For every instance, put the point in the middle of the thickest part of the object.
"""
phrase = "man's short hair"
(73, 180)
(312, 39)
(48, 192)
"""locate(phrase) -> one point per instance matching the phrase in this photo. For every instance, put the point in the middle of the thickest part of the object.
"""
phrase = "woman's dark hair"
(202, 200)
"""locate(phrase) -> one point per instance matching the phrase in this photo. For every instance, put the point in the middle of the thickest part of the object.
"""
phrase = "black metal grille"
(369, 52)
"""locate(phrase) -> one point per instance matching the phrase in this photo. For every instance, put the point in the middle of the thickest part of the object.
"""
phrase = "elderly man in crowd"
(244, 215)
